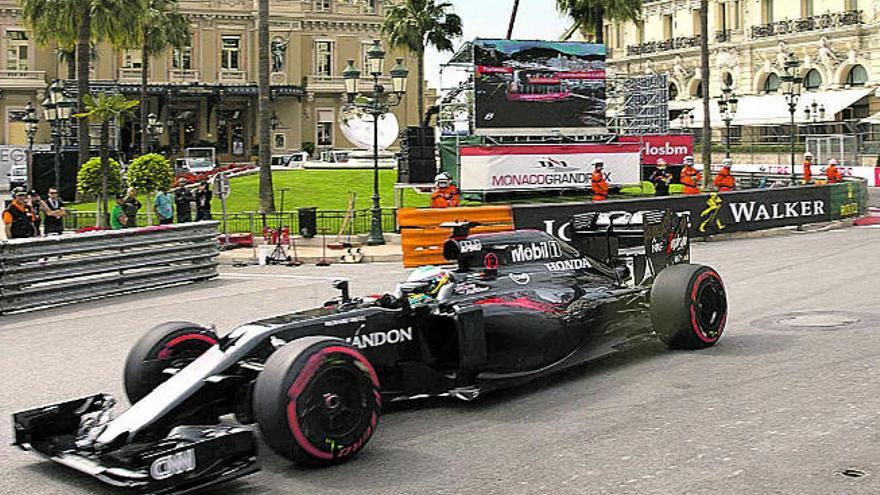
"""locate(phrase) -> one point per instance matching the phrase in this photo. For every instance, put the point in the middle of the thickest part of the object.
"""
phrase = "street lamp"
(155, 128)
(31, 122)
(57, 107)
(791, 88)
(727, 104)
(814, 111)
(376, 106)
(273, 120)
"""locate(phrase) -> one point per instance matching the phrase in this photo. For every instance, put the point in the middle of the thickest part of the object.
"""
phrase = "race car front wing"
(189, 457)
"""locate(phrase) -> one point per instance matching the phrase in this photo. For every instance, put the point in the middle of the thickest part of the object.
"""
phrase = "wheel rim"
(710, 308)
(335, 405)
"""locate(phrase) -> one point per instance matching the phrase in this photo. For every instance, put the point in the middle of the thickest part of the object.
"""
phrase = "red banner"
(670, 148)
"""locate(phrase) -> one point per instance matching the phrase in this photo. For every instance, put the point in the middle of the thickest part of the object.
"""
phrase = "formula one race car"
(519, 305)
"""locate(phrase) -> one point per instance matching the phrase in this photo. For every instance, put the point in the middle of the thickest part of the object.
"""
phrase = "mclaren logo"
(172, 465)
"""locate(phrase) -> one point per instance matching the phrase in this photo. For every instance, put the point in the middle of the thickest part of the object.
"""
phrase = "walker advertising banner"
(533, 87)
(545, 167)
(672, 149)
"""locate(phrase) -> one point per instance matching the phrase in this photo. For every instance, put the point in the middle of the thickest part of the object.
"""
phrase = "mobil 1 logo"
(536, 251)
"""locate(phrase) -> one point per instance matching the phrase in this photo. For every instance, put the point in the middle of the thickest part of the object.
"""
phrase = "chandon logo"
(377, 339)
(543, 250)
(174, 464)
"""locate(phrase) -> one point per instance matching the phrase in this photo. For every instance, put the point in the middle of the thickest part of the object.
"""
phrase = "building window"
(857, 76)
(667, 27)
(720, 16)
(812, 80)
(695, 21)
(673, 91)
(727, 79)
(323, 5)
(766, 11)
(698, 91)
(324, 130)
(806, 8)
(230, 53)
(735, 14)
(640, 31)
(771, 84)
(17, 48)
(131, 59)
(851, 4)
(181, 58)
(324, 58)
(370, 6)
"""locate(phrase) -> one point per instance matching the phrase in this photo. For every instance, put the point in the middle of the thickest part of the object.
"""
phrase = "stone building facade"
(206, 93)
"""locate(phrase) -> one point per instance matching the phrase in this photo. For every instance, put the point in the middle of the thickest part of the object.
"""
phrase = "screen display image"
(528, 87)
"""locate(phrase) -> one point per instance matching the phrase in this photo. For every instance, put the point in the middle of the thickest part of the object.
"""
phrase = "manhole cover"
(818, 320)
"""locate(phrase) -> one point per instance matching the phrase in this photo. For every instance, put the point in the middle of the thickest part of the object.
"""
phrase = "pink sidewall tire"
(317, 401)
(689, 306)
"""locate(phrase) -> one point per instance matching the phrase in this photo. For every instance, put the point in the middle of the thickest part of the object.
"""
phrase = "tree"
(150, 173)
(161, 26)
(106, 108)
(704, 77)
(415, 24)
(267, 193)
(592, 13)
(90, 181)
(81, 24)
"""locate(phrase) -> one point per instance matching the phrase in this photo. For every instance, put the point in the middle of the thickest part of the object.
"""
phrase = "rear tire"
(689, 306)
(176, 343)
(317, 401)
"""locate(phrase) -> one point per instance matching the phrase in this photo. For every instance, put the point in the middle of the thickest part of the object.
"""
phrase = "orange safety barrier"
(422, 237)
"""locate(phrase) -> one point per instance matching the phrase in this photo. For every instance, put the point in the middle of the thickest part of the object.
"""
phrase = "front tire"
(172, 344)
(689, 306)
(317, 401)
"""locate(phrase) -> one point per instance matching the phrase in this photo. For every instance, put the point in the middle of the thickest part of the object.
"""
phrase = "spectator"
(725, 182)
(130, 207)
(118, 218)
(808, 171)
(164, 208)
(690, 176)
(203, 202)
(445, 194)
(597, 181)
(18, 217)
(54, 210)
(832, 174)
(183, 199)
(661, 178)
(37, 207)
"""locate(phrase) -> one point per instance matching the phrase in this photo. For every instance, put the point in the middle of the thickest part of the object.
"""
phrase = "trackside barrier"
(422, 238)
(73, 267)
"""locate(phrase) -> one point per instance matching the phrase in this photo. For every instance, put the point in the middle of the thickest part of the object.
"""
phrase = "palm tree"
(415, 24)
(592, 13)
(162, 25)
(267, 194)
(704, 69)
(81, 23)
(105, 109)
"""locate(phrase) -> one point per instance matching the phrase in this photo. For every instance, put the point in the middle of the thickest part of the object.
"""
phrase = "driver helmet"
(432, 278)
(441, 180)
(689, 160)
(597, 163)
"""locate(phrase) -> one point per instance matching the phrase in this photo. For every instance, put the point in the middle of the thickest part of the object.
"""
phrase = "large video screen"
(533, 87)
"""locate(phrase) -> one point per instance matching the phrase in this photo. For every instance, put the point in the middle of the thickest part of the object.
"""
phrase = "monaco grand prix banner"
(550, 167)
(533, 87)
(671, 148)
(710, 214)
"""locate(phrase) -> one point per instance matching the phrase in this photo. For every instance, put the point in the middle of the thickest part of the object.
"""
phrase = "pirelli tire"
(688, 306)
(317, 401)
(171, 344)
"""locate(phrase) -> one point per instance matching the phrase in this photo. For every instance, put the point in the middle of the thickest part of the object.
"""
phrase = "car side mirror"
(342, 286)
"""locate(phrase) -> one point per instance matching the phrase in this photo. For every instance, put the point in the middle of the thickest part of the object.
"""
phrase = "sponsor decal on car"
(469, 288)
(520, 278)
(544, 250)
(344, 321)
(470, 246)
(378, 339)
(568, 265)
(173, 464)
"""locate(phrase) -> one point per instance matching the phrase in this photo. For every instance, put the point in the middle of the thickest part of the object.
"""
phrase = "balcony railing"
(129, 74)
(336, 84)
(663, 46)
(805, 24)
(232, 76)
(185, 75)
(723, 36)
(23, 75)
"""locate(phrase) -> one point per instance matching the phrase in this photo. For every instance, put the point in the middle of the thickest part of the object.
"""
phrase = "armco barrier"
(716, 213)
(422, 238)
(61, 269)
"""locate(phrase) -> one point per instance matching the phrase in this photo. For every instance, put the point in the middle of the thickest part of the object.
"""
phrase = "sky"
(535, 19)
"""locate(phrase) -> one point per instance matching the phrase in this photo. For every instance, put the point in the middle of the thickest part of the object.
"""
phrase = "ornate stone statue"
(782, 52)
(679, 71)
(826, 56)
(279, 50)
(649, 66)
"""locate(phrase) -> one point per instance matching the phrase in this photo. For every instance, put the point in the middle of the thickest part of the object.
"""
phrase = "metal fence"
(327, 221)
(54, 270)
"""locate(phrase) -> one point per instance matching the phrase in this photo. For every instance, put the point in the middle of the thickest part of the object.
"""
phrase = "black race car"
(519, 305)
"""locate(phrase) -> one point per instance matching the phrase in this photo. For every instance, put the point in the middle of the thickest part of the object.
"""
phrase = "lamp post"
(791, 88)
(727, 104)
(31, 122)
(155, 128)
(56, 108)
(377, 105)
